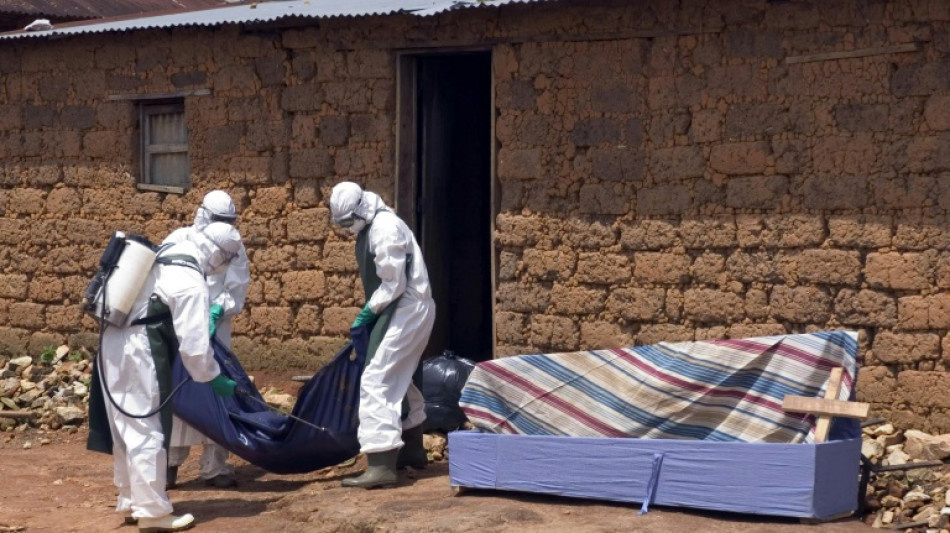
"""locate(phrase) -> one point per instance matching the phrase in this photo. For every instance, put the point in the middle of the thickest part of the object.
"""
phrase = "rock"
(79, 389)
(897, 457)
(926, 447)
(8, 387)
(872, 449)
(70, 414)
(19, 363)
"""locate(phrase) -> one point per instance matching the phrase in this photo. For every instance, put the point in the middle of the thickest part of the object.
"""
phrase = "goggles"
(215, 217)
(347, 220)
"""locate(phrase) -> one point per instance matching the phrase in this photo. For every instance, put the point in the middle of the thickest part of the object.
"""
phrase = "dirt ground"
(55, 485)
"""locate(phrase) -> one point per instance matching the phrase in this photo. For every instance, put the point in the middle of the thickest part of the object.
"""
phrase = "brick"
(13, 286)
(604, 199)
(706, 126)
(708, 268)
(602, 335)
(553, 333)
(758, 192)
(303, 285)
(663, 200)
(709, 232)
(746, 331)
(25, 201)
(781, 231)
(577, 300)
(512, 230)
(334, 130)
(740, 158)
(745, 121)
(865, 308)
(752, 267)
(709, 306)
(860, 231)
(46, 289)
(937, 112)
(902, 348)
(515, 95)
(339, 257)
(922, 234)
(923, 312)
(617, 164)
(549, 265)
(657, 333)
(665, 268)
(337, 320)
(297, 98)
(314, 163)
(638, 305)
(860, 118)
(27, 315)
(523, 298)
(648, 235)
(831, 267)
(911, 271)
(677, 163)
(510, 327)
(594, 131)
(269, 201)
(585, 234)
(602, 268)
(801, 305)
(519, 164)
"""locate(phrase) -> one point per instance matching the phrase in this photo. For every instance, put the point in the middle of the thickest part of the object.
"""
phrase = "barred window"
(164, 138)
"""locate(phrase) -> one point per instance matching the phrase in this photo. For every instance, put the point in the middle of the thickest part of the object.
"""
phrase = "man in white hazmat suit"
(228, 290)
(130, 368)
(396, 285)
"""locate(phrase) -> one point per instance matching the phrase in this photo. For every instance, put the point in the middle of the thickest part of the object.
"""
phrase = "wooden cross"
(826, 407)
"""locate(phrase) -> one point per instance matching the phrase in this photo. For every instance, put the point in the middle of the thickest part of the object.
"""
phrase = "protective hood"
(353, 208)
(218, 243)
(217, 206)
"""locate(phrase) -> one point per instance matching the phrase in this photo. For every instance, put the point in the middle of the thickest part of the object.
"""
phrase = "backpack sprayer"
(123, 269)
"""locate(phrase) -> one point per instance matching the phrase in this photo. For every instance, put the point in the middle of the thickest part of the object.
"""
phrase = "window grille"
(164, 137)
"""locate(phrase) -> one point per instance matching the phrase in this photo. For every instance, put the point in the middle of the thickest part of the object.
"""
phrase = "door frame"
(407, 152)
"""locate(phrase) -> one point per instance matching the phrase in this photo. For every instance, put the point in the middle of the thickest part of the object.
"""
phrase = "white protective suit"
(388, 377)
(229, 290)
(128, 371)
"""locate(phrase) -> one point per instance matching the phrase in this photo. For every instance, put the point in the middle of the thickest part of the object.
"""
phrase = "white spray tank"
(123, 269)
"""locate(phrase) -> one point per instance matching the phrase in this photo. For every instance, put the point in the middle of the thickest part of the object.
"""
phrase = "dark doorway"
(445, 185)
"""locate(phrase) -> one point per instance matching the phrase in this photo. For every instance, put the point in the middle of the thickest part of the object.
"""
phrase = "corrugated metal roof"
(88, 9)
(264, 12)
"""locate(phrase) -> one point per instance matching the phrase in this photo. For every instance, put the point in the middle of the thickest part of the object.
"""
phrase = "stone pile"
(49, 392)
(902, 497)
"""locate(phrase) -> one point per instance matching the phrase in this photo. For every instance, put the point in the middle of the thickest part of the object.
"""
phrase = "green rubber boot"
(380, 472)
(412, 453)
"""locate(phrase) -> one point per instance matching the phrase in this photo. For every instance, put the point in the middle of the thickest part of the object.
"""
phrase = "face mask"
(356, 226)
(214, 217)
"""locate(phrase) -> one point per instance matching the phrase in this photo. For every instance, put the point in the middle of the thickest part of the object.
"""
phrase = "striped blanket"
(724, 390)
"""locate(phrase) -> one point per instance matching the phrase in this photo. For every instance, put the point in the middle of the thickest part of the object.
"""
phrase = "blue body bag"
(245, 427)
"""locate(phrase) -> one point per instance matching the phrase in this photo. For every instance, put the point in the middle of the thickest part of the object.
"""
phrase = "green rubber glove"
(216, 312)
(366, 316)
(223, 386)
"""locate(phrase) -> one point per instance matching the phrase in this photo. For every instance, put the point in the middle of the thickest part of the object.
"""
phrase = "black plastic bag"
(442, 380)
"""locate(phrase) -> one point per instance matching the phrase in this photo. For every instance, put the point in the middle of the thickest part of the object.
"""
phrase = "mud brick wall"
(665, 171)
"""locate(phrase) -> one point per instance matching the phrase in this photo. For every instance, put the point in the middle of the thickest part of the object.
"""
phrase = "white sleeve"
(237, 280)
(188, 303)
(390, 245)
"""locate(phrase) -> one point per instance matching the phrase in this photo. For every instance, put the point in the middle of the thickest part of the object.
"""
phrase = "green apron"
(163, 345)
(366, 261)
